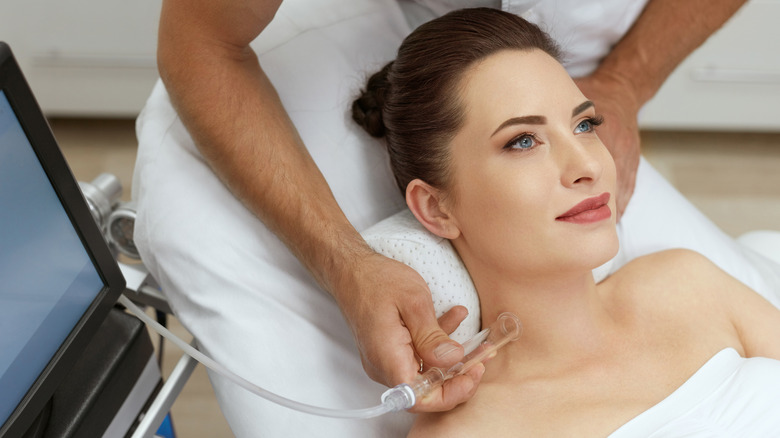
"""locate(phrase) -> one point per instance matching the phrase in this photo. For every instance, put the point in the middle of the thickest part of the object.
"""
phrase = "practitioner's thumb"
(433, 345)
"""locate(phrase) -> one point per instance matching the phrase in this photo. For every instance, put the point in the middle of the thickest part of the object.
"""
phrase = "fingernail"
(444, 350)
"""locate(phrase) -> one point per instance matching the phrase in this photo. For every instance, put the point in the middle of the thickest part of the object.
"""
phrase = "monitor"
(58, 278)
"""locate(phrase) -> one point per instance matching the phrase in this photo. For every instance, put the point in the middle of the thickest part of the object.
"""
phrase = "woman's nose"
(579, 162)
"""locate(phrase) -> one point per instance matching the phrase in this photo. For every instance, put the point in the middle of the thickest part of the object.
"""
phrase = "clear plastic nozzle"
(484, 345)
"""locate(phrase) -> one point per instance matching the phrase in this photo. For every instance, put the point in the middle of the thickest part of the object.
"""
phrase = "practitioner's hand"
(442, 398)
(392, 318)
(616, 101)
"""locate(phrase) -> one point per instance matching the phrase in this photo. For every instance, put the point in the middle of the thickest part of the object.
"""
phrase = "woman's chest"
(593, 398)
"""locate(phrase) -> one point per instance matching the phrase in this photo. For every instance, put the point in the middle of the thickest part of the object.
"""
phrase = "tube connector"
(399, 398)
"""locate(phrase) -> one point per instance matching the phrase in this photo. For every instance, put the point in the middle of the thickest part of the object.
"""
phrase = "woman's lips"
(590, 210)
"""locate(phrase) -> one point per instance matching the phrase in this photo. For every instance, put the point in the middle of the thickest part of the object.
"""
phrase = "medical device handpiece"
(484, 345)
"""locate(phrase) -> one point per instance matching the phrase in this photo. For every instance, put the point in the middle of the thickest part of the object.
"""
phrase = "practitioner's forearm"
(665, 33)
(239, 124)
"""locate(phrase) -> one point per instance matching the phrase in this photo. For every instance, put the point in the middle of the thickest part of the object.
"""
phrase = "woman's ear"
(426, 203)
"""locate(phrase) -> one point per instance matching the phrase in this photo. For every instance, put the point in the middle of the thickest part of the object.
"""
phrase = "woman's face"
(532, 186)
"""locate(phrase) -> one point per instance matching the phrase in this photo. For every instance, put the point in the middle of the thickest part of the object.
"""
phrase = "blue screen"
(47, 280)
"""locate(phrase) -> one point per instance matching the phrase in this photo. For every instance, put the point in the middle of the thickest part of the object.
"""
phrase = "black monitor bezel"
(37, 129)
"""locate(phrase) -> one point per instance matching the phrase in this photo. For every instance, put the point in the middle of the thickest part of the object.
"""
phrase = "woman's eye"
(589, 124)
(584, 126)
(523, 142)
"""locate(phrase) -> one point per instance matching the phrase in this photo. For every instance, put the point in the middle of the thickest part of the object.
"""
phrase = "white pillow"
(401, 237)
(764, 242)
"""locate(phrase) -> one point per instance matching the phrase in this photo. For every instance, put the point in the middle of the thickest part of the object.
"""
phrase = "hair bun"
(367, 108)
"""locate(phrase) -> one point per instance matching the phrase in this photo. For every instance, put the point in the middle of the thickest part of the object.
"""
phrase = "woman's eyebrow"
(581, 107)
(540, 120)
(523, 120)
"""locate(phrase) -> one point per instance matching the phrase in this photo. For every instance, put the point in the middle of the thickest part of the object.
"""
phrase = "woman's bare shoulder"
(671, 268)
(670, 262)
(666, 278)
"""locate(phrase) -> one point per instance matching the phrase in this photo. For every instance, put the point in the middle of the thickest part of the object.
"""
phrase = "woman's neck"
(563, 315)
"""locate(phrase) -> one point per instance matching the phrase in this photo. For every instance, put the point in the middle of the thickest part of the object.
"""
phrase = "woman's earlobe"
(425, 202)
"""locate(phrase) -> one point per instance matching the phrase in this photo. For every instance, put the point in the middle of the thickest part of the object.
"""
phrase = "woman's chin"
(600, 252)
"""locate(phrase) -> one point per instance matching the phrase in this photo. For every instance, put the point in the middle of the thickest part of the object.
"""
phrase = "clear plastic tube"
(251, 387)
(482, 346)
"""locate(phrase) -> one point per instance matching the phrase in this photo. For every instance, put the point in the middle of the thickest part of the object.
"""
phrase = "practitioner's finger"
(454, 392)
(450, 321)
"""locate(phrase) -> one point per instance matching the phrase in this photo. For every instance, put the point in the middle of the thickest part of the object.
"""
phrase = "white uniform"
(585, 30)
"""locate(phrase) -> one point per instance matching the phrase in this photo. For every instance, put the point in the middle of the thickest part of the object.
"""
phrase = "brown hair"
(413, 101)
